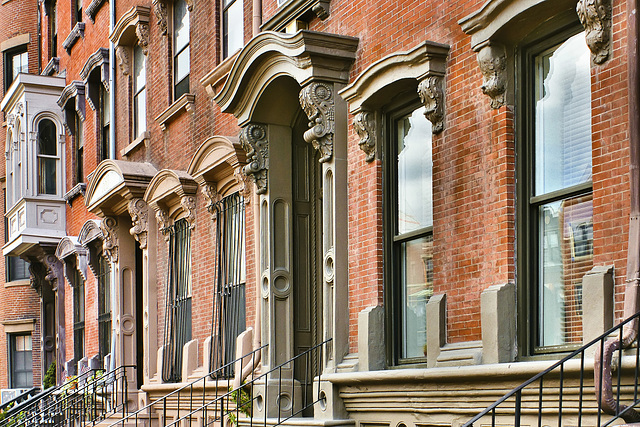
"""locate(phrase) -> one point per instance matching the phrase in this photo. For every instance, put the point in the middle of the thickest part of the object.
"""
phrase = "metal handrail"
(22, 397)
(231, 405)
(85, 400)
(538, 381)
(213, 377)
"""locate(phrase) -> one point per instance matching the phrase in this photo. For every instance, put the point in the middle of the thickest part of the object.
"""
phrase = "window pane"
(21, 363)
(563, 116)
(416, 275)
(415, 166)
(182, 65)
(47, 141)
(18, 268)
(233, 26)
(566, 254)
(139, 69)
(20, 63)
(180, 25)
(140, 102)
(47, 174)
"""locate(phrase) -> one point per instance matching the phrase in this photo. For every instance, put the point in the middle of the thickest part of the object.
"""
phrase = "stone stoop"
(144, 420)
(296, 422)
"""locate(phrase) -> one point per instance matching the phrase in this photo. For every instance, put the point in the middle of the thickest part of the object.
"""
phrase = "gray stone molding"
(431, 92)
(364, 123)
(99, 59)
(297, 9)
(595, 17)
(78, 190)
(186, 102)
(76, 33)
(110, 238)
(371, 350)
(437, 331)
(52, 67)
(90, 232)
(123, 60)
(132, 27)
(253, 138)
(492, 59)
(498, 322)
(92, 10)
(73, 91)
(598, 284)
(317, 102)
(302, 55)
(425, 64)
(74, 256)
(160, 11)
(139, 212)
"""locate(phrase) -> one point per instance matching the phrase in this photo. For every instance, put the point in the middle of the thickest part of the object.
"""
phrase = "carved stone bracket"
(76, 33)
(365, 125)
(142, 31)
(431, 92)
(162, 217)
(160, 10)
(110, 240)
(321, 9)
(37, 275)
(245, 185)
(123, 60)
(92, 10)
(211, 195)
(253, 138)
(493, 64)
(139, 212)
(317, 102)
(188, 203)
(595, 17)
(54, 270)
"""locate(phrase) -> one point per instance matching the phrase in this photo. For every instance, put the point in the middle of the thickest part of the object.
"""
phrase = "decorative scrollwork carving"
(110, 240)
(254, 141)
(188, 203)
(160, 10)
(431, 94)
(493, 64)
(317, 102)
(595, 17)
(123, 60)
(211, 195)
(139, 220)
(245, 185)
(162, 216)
(142, 31)
(365, 125)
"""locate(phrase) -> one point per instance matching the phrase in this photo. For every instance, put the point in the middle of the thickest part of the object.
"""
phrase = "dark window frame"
(225, 25)
(104, 122)
(41, 158)
(79, 315)
(139, 92)
(103, 278)
(8, 63)
(182, 86)
(527, 248)
(11, 339)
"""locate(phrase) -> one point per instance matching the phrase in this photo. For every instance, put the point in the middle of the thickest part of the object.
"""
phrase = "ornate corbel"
(321, 9)
(188, 203)
(139, 212)
(160, 10)
(123, 60)
(364, 123)
(317, 102)
(54, 270)
(110, 240)
(245, 185)
(431, 92)
(162, 217)
(142, 31)
(493, 65)
(595, 17)
(253, 138)
(211, 195)
(37, 275)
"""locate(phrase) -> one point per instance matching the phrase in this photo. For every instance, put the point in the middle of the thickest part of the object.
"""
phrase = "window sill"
(144, 138)
(16, 283)
(297, 9)
(77, 190)
(185, 102)
(213, 81)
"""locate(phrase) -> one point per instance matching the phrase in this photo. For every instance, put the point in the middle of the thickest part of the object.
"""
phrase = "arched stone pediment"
(216, 161)
(304, 56)
(114, 183)
(90, 232)
(73, 255)
(67, 247)
(170, 190)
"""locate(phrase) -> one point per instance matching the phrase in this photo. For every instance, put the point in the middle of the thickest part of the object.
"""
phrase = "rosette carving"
(365, 125)
(110, 238)
(139, 220)
(595, 17)
(317, 102)
(253, 138)
(431, 94)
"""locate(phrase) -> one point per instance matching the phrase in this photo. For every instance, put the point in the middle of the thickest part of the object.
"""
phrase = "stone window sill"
(185, 102)
(74, 36)
(77, 190)
(142, 139)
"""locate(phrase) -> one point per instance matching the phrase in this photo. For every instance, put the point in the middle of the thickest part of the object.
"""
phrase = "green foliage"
(50, 376)
(242, 400)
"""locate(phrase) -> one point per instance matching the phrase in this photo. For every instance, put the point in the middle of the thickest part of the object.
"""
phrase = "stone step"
(296, 422)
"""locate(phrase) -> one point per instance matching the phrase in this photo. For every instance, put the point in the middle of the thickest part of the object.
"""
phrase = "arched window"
(47, 157)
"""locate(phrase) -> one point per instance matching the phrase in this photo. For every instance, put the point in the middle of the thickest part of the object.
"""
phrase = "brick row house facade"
(188, 181)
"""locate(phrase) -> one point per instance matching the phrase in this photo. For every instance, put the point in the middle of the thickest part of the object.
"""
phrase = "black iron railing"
(184, 399)
(22, 397)
(85, 400)
(278, 394)
(552, 393)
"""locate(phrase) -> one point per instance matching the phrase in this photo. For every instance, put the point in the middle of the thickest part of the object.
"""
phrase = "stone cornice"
(186, 102)
(90, 232)
(171, 190)
(76, 33)
(92, 10)
(75, 91)
(100, 58)
(77, 190)
(52, 67)
(297, 9)
(305, 56)
(133, 25)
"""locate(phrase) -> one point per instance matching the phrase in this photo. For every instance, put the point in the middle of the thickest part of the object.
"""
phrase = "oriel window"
(47, 157)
